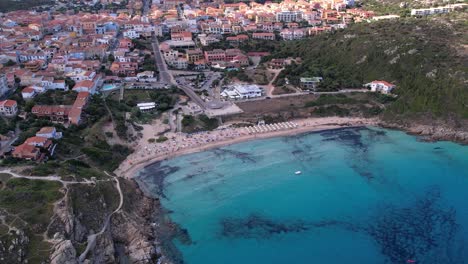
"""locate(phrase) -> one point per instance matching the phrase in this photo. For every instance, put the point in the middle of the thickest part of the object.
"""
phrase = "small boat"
(298, 172)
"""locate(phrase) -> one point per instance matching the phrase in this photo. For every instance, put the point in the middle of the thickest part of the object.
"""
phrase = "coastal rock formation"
(63, 253)
(433, 132)
(129, 235)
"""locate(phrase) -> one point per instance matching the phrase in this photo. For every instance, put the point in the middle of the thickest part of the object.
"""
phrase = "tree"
(111, 58)
(10, 63)
(69, 82)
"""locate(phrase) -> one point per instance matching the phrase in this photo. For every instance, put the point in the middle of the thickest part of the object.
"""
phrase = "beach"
(182, 143)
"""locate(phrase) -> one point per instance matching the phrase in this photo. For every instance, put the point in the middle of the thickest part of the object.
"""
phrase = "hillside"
(426, 58)
(12, 5)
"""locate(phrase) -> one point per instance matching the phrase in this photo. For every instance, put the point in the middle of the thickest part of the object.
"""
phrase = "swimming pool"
(109, 87)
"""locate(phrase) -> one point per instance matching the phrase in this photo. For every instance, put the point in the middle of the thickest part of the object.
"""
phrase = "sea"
(349, 195)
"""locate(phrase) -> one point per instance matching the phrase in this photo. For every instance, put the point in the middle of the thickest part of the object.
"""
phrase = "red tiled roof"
(8, 103)
(384, 83)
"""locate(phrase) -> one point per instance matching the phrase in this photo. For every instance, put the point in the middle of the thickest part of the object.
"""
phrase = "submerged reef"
(155, 174)
(228, 153)
(258, 227)
(424, 231)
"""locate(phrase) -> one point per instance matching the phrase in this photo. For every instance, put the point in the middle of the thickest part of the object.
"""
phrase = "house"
(215, 55)
(194, 55)
(179, 63)
(56, 113)
(3, 85)
(85, 86)
(124, 68)
(8, 108)
(381, 86)
(28, 152)
(277, 63)
(28, 93)
(181, 36)
(49, 132)
(80, 103)
(131, 34)
(310, 83)
(263, 35)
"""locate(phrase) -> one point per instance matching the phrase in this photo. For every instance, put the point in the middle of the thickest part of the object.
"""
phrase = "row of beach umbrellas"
(270, 127)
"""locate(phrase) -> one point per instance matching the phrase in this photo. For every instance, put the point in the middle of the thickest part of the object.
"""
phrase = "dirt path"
(92, 238)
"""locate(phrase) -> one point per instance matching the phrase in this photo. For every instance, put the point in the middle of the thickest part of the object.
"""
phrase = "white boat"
(298, 172)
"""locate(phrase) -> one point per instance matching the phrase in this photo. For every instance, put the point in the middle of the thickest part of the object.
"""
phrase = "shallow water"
(365, 195)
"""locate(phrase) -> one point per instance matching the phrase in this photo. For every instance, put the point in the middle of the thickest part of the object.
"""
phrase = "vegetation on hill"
(425, 58)
(12, 5)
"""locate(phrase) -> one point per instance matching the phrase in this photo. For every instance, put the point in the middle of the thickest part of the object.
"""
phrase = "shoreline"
(304, 125)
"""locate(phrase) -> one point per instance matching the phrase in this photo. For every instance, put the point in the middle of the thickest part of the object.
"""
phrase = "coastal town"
(152, 45)
(94, 91)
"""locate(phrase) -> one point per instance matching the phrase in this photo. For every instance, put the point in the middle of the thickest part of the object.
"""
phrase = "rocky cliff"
(128, 238)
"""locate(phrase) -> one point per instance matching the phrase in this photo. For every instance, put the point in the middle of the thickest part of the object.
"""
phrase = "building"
(381, 86)
(3, 85)
(215, 55)
(437, 10)
(242, 91)
(194, 55)
(28, 152)
(68, 114)
(292, 34)
(49, 132)
(181, 36)
(179, 63)
(34, 148)
(289, 16)
(85, 86)
(310, 83)
(8, 108)
(263, 35)
(146, 107)
(28, 93)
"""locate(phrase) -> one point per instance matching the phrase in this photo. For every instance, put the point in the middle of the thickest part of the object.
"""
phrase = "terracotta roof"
(8, 103)
(28, 90)
(46, 130)
(384, 83)
(36, 140)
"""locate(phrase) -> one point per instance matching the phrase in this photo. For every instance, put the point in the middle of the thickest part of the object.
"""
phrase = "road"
(343, 91)
(166, 77)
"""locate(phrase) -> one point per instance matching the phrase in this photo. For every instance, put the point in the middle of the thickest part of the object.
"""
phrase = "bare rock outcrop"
(63, 253)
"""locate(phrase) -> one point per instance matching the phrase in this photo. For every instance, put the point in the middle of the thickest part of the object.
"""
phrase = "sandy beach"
(182, 143)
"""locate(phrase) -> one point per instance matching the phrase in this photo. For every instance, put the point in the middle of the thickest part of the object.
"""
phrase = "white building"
(179, 63)
(3, 85)
(437, 10)
(8, 107)
(289, 16)
(146, 107)
(242, 91)
(381, 86)
(28, 93)
(131, 34)
(49, 132)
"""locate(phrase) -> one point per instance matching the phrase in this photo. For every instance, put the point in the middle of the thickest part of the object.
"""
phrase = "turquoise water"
(109, 87)
(365, 195)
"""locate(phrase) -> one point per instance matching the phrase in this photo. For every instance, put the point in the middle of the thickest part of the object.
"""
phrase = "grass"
(192, 124)
(29, 204)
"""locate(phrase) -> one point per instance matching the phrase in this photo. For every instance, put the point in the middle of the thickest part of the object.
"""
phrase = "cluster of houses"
(39, 147)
